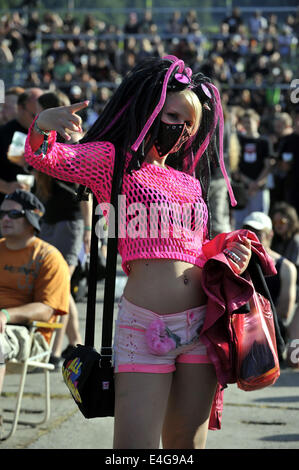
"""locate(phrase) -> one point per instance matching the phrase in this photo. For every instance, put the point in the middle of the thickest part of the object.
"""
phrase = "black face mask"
(170, 138)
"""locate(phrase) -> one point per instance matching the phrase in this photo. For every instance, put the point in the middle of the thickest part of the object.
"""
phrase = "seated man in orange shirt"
(34, 277)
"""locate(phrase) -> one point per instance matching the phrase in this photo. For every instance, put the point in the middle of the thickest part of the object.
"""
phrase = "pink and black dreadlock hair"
(131, 119)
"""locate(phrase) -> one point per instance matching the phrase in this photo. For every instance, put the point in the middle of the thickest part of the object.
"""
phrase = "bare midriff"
(164, 286)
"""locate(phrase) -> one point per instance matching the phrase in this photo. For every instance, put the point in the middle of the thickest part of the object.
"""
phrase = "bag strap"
(92, 282)
(110, 276)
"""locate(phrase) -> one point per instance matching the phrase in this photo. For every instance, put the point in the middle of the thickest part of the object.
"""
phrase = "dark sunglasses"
(12, 214)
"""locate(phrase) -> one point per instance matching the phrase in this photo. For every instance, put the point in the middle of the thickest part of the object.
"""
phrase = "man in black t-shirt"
(289, 160)
(27, 109)
(282, 126)
(253, 168)
(234, 20)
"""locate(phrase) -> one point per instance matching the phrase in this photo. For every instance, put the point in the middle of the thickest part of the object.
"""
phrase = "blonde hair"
(196, 105)
(234, 152)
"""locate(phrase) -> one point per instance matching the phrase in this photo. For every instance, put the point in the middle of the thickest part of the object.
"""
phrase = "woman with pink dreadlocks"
(163, 129)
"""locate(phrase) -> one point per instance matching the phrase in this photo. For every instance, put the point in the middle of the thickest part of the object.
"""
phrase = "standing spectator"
(283, 285)
(282, 127)
(286, 242)
(191, 20)
(132, 25)
(286, 232)
(285, 40)
(174, 25)
(147, 24)
(89, 24)
(253, 168)
(257, 24)
(219, 204)
(27, 110)
(218, 197)
(234, 20)
(289, 161)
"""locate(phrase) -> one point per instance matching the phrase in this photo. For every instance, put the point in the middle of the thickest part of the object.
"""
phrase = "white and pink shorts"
(145, 341)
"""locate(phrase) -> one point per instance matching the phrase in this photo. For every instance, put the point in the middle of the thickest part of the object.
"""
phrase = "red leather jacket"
(226, 291)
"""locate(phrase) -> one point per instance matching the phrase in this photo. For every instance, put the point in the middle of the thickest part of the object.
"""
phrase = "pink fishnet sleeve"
(90, 164)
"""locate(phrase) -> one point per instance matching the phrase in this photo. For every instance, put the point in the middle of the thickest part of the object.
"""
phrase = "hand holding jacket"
(227, 291)
(242, 249)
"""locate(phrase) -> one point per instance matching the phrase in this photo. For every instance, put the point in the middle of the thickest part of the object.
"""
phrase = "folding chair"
(40, 360)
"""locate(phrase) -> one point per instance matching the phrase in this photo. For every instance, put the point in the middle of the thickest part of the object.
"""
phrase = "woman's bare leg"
(140, 405)
(191, 397)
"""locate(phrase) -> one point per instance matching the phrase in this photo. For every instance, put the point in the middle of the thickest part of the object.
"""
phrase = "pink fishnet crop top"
(161, 210)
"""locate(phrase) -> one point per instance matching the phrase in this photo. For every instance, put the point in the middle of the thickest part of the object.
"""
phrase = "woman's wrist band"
(87, 228)
(40, 131)
(5, 313)
(45, 144)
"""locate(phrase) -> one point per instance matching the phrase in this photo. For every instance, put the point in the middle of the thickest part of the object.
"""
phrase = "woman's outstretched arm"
(89, 164)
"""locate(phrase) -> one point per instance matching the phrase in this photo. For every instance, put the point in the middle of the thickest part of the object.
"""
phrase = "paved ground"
(265, 419)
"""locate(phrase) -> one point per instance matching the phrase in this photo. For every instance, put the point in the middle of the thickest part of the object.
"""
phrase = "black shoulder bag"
(89, 375)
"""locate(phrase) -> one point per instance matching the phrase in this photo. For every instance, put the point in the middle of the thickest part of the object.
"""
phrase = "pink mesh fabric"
(161, 210)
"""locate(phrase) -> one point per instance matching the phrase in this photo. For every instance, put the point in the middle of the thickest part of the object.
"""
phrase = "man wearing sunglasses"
(26, 112)
(34, 277)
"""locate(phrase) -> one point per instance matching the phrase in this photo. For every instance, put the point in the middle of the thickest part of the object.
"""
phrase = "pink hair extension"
(204, 145)
(160, 105)
(206, 142)
(188, 161)
(221, 127)
(116, 118)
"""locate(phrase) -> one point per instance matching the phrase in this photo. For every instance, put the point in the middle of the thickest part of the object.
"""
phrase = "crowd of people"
(261, 131)
(261, 152)
(258, 51)
(242, 55)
